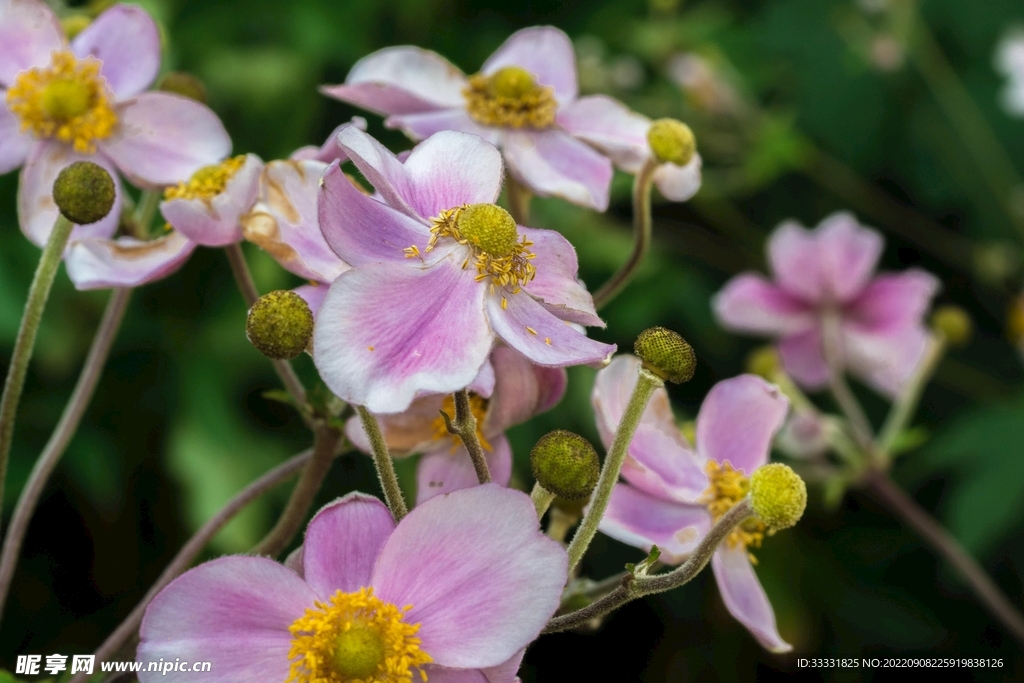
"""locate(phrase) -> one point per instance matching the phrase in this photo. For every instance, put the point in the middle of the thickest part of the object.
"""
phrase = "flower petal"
(126, 40)
(410, 431)
(885, 359)
(233, 612)
(29, 31)
(444, 470)
(165, 138)
(803, 358)
(214, 222)
(892, 301)
(848, 255)
(745, 598)
(503, 673)
(546, 52)
(641, 520)
(750, 303)
(401, 80)
(14, 145)
(679, 183)
(521, 390)
(99, 263)
(552, 163)
(422, 125)
(387, 331)
(361, 229)
(330, 150)
(481, 578)
(36, 209)
(737, 421)
(556, 283)
(610, 126)
(530, 329)
(313, 295)
(342, 543)
(286, 223)
(450, 169)
(795, 261)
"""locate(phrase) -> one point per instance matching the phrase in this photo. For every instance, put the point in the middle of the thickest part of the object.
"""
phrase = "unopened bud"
(84, 192)
(778, 495)
(184, 84)
(764, 362)
(280, 325)
(666, 354)
(954, 323)
(565, 464)
(671, 141)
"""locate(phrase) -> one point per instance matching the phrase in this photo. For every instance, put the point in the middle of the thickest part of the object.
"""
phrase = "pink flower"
(675, 492)
(524, 100)
(510, 391)
(456, 590)
(85, 100)
(827, 274)
(439, 274)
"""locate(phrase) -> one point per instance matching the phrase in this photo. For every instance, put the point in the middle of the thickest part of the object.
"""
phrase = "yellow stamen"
(531, 330)
(728, 487)
(355, 638)
(477, 406)
(510, 97)
(67, 100)
(207, 182)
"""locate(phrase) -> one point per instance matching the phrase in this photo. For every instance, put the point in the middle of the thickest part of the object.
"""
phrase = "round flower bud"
(764, 362)
(666, 354)
(84, 192)
(778, 495)
(671, 141)
(565, 464)
(280, 325)
(184, 84)
(954, 323)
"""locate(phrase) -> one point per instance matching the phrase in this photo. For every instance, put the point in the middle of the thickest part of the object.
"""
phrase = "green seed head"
(84, 192)
(778, 495)
(488, 227)
(672, 141)
(512, 82)
(666, 354)
(184, 84)
(565, 464)
(358, 653)
(954, 323)
(280, 325)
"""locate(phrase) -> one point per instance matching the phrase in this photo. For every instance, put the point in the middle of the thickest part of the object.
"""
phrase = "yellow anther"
(510, 97)
(207, 182)
(477, 406)
(727, 487)
(778, 495)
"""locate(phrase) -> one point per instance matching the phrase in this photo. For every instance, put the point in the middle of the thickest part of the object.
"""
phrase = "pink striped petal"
(803, 358)
(750, 303)
(480, 576)
(214, 222)
(556, 283)
(737, 421)
(503, 673)
(885, 359)
(446, 470)
(450, 169)
(14, 145)
(848, 255)
(521, 390)
(553, 163)
(29, 31)
(330, 150)
(546, 52)
(795, 261)
(610, 126)
(641, 520)
(126, 40)
(745, 598)
(892, 301)
(98, 263)
(313, 295)
(422, 125)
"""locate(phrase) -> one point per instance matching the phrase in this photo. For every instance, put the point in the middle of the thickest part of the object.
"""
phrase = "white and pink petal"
(214, 222)
(737, 421)
(745, 598)
(546, 52)
(556, 283)
(98, 263)
(449, 468)
(641, 520)
(553, 163)
(125, 38)
(29, 32)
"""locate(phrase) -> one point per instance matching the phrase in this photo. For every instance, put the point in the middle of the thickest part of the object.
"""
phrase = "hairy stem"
(465, 427)
(541, 498)
(385, 467)
(61, 437)
(646, 383)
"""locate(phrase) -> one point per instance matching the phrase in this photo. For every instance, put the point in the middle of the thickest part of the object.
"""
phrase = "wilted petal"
(750, 303)
(521, 390)
(422, 125)
(529, 328)
(556, 283)
(98, 263)
(14, 145)
(885, 359)
(214, 222)
(610, 126)
(848, 253)
(163, 138)
(233, 612)
(745, 598)
(484, 580)
(679, 183)
(546, 52)
(387, 331)
(342, 543)
(641, 520)
(36, 209)
(126, 40)
(552, 163)
(737, 421)
(803, 358)
(401, 80)
(446, 470)
(29, 31)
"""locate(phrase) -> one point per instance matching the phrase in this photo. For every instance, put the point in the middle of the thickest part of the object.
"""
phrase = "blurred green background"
(801, 108)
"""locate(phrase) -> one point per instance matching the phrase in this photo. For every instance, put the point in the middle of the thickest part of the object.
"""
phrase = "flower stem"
(385, 468)
(61, 437)
(325, 446)
(633, 587)
(646, 383)
(192, 548)
(903, 409)
(465, 427)
(832, 348)
(641, 236)
(25, 342)
(946, 546)
(541, 498)
(519, 198)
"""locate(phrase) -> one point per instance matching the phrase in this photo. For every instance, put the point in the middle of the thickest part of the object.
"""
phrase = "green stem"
(903, 409)
(646, 383)
(641, 236)
(25, 342)
(465, 427)
(833, 352)
(519, 198)
(542, 499)
(385, 467)
(149, 202)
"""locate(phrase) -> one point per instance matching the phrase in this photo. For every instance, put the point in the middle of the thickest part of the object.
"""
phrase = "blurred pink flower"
(830, 273)
(424, 303)
(456, 591)
(675, 492)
